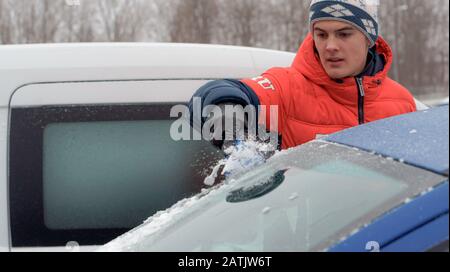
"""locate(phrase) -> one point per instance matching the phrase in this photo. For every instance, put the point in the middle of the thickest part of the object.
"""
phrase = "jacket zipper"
(361, 95)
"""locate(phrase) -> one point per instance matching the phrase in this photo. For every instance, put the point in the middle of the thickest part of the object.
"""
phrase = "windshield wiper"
(257, 190)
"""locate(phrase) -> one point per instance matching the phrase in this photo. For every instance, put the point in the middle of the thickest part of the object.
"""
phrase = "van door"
(88, 161)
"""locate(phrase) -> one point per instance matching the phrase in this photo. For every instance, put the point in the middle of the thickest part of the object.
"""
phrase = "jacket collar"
(375, 64)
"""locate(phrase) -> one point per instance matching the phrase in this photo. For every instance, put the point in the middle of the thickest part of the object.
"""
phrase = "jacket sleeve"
(271, 89)
(220, 92)
(262, 92)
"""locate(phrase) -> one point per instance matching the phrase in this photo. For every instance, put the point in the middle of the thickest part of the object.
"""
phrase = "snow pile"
(240, 158)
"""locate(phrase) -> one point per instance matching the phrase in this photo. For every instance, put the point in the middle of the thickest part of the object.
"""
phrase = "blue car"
(382, 187)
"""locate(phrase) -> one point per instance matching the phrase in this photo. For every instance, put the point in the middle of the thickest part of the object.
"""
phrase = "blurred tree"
(419, 40)
(193, 21)
(121, 20)
(5, 23)
(417, 30)
(241, 22)
(290, 23)
(79, 23)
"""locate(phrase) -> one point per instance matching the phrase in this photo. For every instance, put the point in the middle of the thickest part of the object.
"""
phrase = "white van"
(85, 152)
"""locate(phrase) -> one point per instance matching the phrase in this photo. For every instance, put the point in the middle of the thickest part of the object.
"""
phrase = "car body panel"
(109, 93)
(419, 139)
(389, 230)
(425, 238)
(44, 63)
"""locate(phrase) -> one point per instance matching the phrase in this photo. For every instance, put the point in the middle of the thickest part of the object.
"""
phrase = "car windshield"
(304, 199)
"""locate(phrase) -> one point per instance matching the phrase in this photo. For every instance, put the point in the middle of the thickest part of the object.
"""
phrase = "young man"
(339, 78)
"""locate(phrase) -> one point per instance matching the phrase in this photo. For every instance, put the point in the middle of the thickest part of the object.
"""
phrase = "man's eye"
(321, 35)
(344, 35)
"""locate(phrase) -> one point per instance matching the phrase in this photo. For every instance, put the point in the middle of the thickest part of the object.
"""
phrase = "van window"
(90, 173)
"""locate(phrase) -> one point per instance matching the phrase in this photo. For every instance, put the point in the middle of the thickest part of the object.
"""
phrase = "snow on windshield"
(239, 160)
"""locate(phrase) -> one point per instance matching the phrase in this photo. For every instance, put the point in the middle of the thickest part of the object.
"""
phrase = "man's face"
(342, 48)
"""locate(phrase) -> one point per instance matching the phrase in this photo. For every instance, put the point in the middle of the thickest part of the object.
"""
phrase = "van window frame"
(26, 167)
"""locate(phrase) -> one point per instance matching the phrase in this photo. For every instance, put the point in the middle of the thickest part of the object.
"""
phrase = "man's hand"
(228, 126)
(221, 92)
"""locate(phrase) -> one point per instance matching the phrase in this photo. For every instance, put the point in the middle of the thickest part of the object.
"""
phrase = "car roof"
(48, 63)
(420, 139)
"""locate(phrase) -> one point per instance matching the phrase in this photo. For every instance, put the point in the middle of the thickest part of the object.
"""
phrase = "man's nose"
(332, 45)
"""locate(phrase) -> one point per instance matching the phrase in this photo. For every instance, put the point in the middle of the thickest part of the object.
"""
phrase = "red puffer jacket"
(311, 104)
